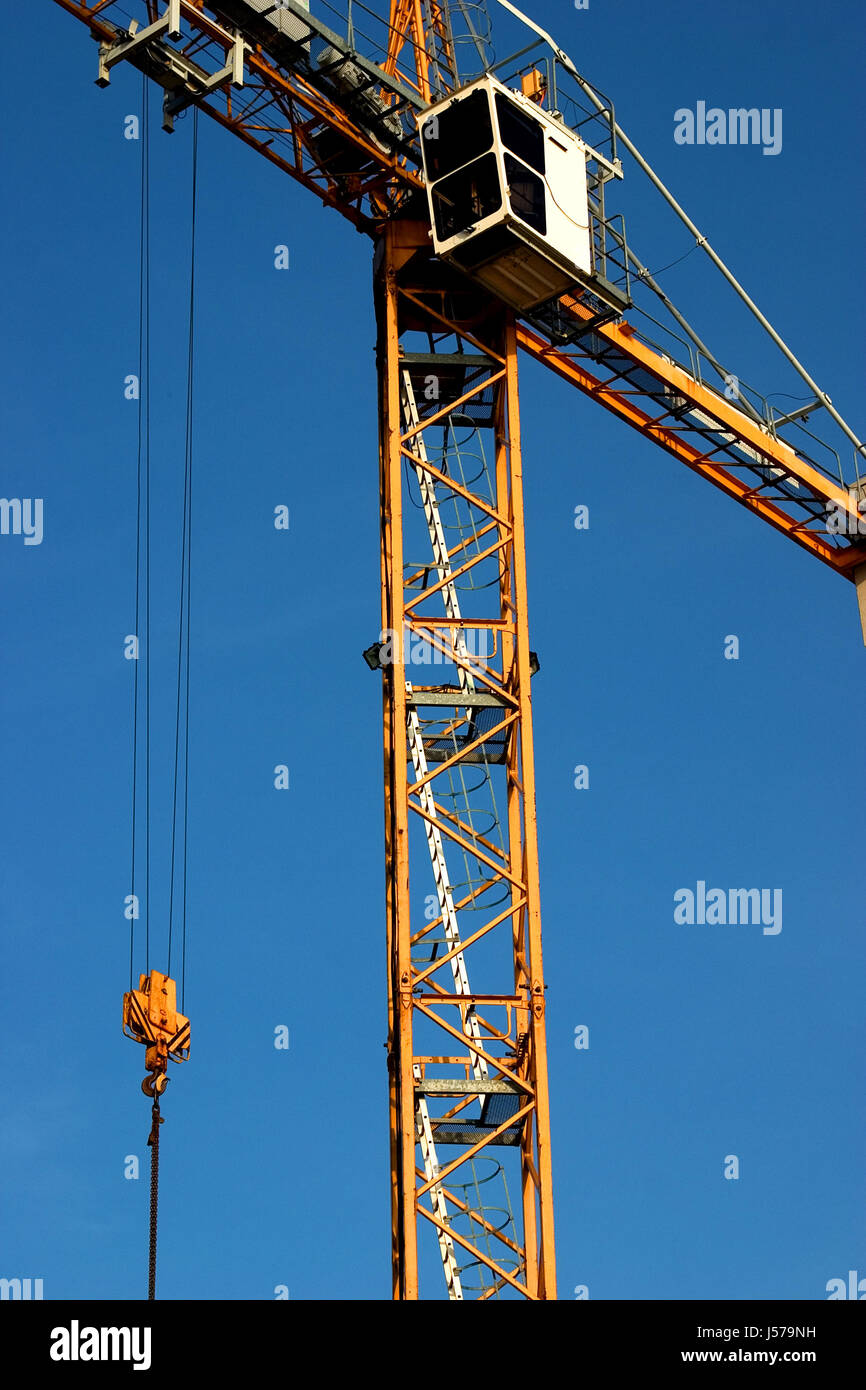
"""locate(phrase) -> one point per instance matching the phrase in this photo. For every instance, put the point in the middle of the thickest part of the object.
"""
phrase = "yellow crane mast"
(468, 1069)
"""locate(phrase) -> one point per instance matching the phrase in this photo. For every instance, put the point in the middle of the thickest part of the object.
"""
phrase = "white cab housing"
(506, 187)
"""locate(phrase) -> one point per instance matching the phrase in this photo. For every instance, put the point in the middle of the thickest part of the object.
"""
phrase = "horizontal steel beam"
(461, 698)
(441, 1087)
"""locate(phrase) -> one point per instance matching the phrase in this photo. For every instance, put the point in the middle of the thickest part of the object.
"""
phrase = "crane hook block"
(150, 1017)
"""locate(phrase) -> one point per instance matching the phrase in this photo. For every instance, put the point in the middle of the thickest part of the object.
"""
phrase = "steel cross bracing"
(427, 32)
(746, 458)
(439, 545)
(471, 1064)
(439, 864)
(340, 141)
(335, 137)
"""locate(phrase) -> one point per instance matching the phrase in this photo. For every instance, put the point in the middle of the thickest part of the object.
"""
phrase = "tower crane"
(486, 188)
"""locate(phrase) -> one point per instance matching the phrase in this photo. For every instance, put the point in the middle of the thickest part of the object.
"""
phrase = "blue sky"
(704, 1041)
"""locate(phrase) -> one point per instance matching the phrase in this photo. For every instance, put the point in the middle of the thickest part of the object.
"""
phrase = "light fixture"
(373, 656)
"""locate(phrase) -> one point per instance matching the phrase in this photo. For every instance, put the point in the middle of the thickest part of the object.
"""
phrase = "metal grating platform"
(493, 750)
(496, 1109)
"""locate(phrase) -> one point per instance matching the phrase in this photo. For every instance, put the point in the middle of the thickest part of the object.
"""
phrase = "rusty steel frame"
(411, 288)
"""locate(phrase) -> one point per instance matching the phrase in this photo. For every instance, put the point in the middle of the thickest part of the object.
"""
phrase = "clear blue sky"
(704, 1041)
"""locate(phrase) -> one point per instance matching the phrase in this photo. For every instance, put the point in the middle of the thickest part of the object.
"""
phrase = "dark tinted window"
(526, 194)
(520, 133)
(455, 136)
(466, 197)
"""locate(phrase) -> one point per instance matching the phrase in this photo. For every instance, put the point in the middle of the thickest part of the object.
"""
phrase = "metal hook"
(154, 1085)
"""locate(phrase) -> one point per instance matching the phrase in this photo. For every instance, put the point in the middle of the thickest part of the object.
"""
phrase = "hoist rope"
(183, 644)
(143, 459)
(147, 586)
(142, 600)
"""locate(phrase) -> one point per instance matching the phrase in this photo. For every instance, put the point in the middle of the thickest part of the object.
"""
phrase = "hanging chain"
(153, 1142)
